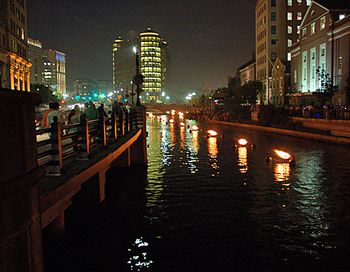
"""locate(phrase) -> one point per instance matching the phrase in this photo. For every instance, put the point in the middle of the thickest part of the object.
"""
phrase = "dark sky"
(208, 39)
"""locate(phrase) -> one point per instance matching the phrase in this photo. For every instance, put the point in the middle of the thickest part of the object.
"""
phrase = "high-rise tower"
(277, 28)
(151, 64)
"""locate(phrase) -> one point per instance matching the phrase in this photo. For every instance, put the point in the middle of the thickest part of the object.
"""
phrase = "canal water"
(204, 205)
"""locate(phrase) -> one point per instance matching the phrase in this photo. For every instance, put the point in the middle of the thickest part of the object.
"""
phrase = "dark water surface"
(202, 205)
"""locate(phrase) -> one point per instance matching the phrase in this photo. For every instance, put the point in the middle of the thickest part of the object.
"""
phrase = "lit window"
(289, 56)
(308, 2)
(323, 22)
(313, 28)
(290, 3)
(290, 29)
(289, 16)
(341, 16)
(299, 15)
(304, 32)
(290, 42)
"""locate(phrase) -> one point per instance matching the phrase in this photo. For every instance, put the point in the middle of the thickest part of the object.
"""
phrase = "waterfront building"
(322, 52)
(151, 64)
(54, 75)
(14, 64)
(277, 28)
(247, 72)
(35, 56)
(154, 65)
(124, 68)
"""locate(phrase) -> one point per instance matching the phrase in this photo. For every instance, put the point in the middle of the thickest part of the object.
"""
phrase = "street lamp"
(138, 78)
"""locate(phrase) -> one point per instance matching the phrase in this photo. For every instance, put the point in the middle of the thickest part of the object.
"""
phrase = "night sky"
(208, 39)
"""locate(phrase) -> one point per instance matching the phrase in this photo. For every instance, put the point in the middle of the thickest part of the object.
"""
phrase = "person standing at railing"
(91, 112)
(74, 118)
(44, 123)
(55, 113)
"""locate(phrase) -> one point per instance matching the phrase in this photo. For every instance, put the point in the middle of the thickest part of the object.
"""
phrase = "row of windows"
(261, 35)
(16, 11)
(155, 59)
(151, 64)
(299, 2)
(154, 44)
(261, 60)
(150, 54)
(322, 25)
(150, 49)
(149, 38)
(19, 31)
(17, 48)
(299, 16)
(151, 69)
(261, 10)
(261, 47)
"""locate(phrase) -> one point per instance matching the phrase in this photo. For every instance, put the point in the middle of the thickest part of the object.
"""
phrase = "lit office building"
(151, 65)
(54, 75)
(14, 64)
(277, 28)
(35, 56)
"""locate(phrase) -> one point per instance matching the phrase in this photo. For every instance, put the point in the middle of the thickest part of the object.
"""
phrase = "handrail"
(60, 142)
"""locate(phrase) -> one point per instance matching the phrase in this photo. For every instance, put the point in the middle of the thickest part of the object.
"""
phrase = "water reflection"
(282, 172)
(139, 260)
(192, 154)
(243, 159)
(213, 154)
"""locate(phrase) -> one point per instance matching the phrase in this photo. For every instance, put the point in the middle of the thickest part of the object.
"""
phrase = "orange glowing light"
(173, 112)
(195, 128)
(182, 124)
(283, 155)
(171, 121)
(212, 133)
(242, 142)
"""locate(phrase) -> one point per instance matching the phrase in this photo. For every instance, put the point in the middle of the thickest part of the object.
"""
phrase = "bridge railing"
(61, 144)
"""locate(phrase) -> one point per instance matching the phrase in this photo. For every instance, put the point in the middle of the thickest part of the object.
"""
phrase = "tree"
(325, 81)
(250, 91)
(44, 91)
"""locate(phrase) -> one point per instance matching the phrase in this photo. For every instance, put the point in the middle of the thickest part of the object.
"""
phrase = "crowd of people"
(325, 112)
(73, 116)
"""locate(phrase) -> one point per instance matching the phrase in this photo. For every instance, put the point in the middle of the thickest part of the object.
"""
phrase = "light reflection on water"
(243, 159)
(280, 219)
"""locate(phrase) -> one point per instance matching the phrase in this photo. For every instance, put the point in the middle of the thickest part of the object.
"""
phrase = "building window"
(273, 29)
(273, 3)
(289, 56)
(323, 22)
(313, 28)
(304, 32)
(308, 2)
(273, 16)
(273, 56)
(290, 3)
(290, 29)
(342, 16)
(289, 16)
(299, 15)
(295, 76)
(290, 42)
(273, 41)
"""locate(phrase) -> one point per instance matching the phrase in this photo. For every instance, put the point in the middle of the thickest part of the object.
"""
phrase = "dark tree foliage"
(44, 91)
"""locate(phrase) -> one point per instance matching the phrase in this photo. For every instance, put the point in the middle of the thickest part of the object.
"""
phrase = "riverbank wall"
(293, 133)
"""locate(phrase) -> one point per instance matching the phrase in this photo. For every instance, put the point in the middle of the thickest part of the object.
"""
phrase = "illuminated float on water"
(281, 156)
(212, 133)
(171, 121)
(244, 143)
(194, 128)
(182, 124)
